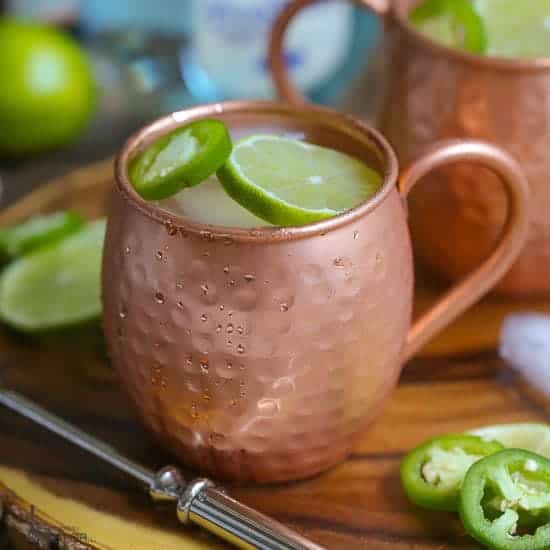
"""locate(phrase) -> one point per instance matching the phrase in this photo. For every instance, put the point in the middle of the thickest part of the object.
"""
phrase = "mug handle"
(283, 83)
(475, 285)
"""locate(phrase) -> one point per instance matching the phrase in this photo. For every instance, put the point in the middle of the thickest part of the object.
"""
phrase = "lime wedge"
(55, 286)
(182, 158)
(37, 232)
(529, 436)
(454, 23)
(516, 29)
(290, 182)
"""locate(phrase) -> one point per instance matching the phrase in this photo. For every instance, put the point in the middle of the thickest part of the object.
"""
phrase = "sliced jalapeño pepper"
(505, 501)
(432, 473)
(455, 22)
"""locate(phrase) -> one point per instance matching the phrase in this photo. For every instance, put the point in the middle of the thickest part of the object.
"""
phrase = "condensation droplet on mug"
(228, 241)
(230, 314)
(189, 361)
(188, 331)
(159, 255)
(216, 438)
(226, 269)
(159, 298)
(240, 349)
(229, 343)
(204, 288)
(123, 314)
(218, 329)
(193, 412)
(233, 403)
(249, 277)
(156, 345)
(181, 305)
(204, 365)
(241, 366)
(240, 330)
(284, 307)
(232, 282)
(355, 235)
(206, 253)
(179, 285)
(229, 329)
(127, 250)
(222, 307)
(204, 318)
(229, 364)
(206, 396)
(338, 262)
(170, 229)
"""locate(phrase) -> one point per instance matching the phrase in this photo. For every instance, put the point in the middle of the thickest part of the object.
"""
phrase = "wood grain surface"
(55, 496)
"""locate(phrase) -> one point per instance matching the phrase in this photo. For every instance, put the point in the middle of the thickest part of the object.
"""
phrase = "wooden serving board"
(54, 496)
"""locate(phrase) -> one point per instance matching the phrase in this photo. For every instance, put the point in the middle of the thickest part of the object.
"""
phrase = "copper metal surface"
(434, 92)
(260, 354)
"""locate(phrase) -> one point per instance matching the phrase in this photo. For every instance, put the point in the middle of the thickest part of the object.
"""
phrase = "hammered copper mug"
(260, 354)
(432, 92)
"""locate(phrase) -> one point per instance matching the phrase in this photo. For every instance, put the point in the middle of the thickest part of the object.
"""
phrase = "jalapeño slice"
(432, 473)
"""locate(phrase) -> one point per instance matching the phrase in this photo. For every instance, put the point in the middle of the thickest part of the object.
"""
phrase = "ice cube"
(525, 344)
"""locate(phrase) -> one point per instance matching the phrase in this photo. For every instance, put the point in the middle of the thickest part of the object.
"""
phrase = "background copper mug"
(259, 354)
(434, 92)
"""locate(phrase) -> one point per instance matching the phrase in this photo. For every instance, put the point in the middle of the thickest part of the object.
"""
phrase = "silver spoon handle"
(206, 505)
(199, 502)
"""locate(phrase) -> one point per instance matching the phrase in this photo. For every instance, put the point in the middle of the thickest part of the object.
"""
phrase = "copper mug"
(260, 354)
(433, 92)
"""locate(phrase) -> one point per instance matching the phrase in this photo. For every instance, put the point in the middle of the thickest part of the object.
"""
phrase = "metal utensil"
(200, 501)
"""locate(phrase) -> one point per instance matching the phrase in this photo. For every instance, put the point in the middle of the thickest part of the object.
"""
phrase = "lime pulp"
(530, 436)
(39, 231)
(56, 286)
(289, 182)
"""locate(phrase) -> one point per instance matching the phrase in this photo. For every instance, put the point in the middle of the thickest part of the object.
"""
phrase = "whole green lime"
(47, 91)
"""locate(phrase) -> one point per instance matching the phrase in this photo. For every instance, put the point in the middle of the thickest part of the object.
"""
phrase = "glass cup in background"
(227, 60)
(138, 47)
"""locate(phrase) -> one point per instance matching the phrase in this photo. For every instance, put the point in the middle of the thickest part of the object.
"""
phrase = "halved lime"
(530, 436)
(56, 286)
(182, 158)
(290, 182)
(38, 231)
(454, 23)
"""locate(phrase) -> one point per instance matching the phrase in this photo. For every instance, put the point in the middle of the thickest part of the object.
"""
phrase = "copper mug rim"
(494, 62)
(390, 9)
(260, 234)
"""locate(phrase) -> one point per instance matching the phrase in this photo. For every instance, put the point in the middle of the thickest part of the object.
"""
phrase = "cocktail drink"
(476, 69)
(497, 28)
(256, 349)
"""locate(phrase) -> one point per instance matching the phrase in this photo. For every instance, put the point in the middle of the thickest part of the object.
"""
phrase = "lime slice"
(55, 286)
(182, 158)
(529, 436)
(290, 182)
(37, 232)
(516, 29)
(454, 23)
